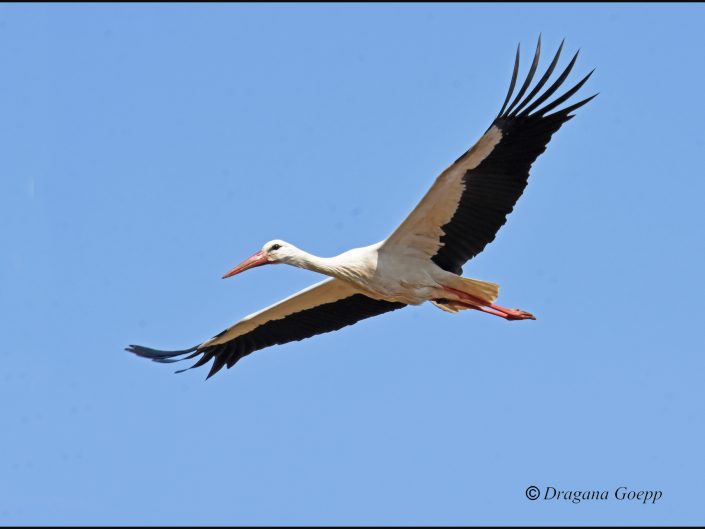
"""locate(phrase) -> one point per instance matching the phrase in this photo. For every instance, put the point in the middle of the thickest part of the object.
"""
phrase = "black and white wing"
(324, 307)
(469, 202)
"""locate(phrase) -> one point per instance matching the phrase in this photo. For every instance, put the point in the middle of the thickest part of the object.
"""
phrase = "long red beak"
(259, 259)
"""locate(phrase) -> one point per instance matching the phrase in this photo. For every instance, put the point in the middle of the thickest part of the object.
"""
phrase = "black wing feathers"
(494, 186)
(297, 326)
(529, 77)
(513, 82)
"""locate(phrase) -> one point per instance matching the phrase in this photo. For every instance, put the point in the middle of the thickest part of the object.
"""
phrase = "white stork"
(422, 259)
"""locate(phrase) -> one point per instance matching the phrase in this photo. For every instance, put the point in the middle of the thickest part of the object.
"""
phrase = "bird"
(422, 260)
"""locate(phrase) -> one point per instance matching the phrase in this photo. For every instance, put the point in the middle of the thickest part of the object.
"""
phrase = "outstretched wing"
(324, 307)
(469, 202)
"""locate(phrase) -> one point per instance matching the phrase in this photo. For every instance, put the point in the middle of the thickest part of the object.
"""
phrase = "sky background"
(149, 148)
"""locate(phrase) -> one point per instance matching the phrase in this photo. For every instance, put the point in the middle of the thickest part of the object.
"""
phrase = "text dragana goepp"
(620, 494)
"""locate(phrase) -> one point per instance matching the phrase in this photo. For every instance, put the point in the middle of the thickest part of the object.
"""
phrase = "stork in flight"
(422, 260)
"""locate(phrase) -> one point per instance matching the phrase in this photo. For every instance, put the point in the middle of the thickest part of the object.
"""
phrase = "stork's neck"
(322, 265)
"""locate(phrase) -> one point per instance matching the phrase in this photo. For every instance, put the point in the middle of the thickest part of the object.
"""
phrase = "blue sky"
(148, 149)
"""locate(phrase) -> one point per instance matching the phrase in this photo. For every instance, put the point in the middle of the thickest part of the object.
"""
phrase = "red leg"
(487, 310)
(472, 302)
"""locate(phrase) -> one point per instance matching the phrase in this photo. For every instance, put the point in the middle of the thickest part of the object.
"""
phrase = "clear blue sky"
(148, 149)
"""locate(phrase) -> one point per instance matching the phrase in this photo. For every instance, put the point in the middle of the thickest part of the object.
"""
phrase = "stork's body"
(422, 259)
(382, 273)
(375, 272)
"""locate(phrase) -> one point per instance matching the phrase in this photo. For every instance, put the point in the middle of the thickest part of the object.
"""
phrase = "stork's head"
(273, 252)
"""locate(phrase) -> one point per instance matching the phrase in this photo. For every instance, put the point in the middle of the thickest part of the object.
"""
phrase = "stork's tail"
(483, 290)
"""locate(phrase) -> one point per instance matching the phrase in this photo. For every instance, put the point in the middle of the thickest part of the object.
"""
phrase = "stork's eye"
(275, 247)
